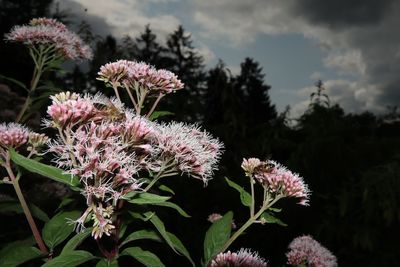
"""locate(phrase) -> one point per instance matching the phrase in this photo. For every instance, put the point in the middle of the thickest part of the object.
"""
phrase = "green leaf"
(70, 259)
(141, 234)
(159, 114)
(275, 209)
(122, 230)
(166, 189)
(161, 228)
(20, 84)
(43, 169)
(58, 228)
(76, 241)
(245, 197)
(180, 247)
(15, 207)
(269, 218)
(64, 203)
(146, 198)
(107, 263)
(18, 252)
(143, 256)
(173, 206)
(216, 236)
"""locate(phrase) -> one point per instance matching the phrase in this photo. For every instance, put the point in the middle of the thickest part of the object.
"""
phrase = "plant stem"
(252, 197)
(37, 73)
(249, 222)
(154, 105)
(25, 208)
(116, 91)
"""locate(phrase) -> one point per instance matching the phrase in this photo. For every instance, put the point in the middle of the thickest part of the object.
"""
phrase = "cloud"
(360, 39)
(121, 18)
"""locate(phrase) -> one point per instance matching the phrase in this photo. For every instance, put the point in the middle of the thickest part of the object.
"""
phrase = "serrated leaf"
(15, 255)
(146, 198)
(107, 263)
(159, 114)
(269, 218)
(245, 197)
(76, 241)
(15, 207)
(166, 189)
(159, 225)
(275, 209)
(141, 234)
(70, 259)
(180, 247)
(143, 256)
(173, 206)
(20, 84)
(64, 203)
(216, 236)
(43, 169)
(58, 228)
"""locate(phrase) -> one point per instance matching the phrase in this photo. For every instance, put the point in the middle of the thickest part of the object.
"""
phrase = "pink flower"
(242, 258)
(13, 135)
(195, 152)
(277, 179)
(132, 74)
(305, 250)
(49, 32)
(67, 108)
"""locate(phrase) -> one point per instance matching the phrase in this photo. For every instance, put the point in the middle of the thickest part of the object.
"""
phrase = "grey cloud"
(343, 13)
(76, 12)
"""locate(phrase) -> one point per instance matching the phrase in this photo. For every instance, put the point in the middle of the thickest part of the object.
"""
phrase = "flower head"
(242, 258)
(50, 32)
(195, 152)
(139, 74)
(277, 179)
(13, 135)
(67, 108)
(305, 250)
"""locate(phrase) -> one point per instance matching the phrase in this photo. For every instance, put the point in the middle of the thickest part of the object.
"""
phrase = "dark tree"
(251, 81)
(185, 61)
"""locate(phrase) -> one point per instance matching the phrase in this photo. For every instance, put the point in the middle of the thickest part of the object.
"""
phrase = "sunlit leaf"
(43, 169)
(216, 236)
(59, 228)
(143, 256)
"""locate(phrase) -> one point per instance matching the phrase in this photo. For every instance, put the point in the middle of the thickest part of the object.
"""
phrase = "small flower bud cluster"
(133, 74)
(212, 218)
(277, 179)
(67, 108)
(50, 32)
(36, 141)
(304, 250)
(242, 258)
(195, 152)
(13, 135)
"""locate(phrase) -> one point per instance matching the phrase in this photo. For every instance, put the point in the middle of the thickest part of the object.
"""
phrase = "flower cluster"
(51, 33)
(305, 250)
(277, 179)
(107, 146)
(242, 258)
(195, 152)
(13, 135)
(139, 74)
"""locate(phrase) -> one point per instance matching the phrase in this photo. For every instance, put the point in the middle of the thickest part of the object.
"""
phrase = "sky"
(353, 46)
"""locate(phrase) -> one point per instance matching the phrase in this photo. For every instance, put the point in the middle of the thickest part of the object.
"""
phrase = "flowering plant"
(117, 157)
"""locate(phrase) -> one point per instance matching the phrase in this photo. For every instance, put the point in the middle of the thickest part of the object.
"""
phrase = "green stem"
(37, 73)
(25, 208)
(116, 92)
(154, 105)
(252, 196)
(249, 222)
